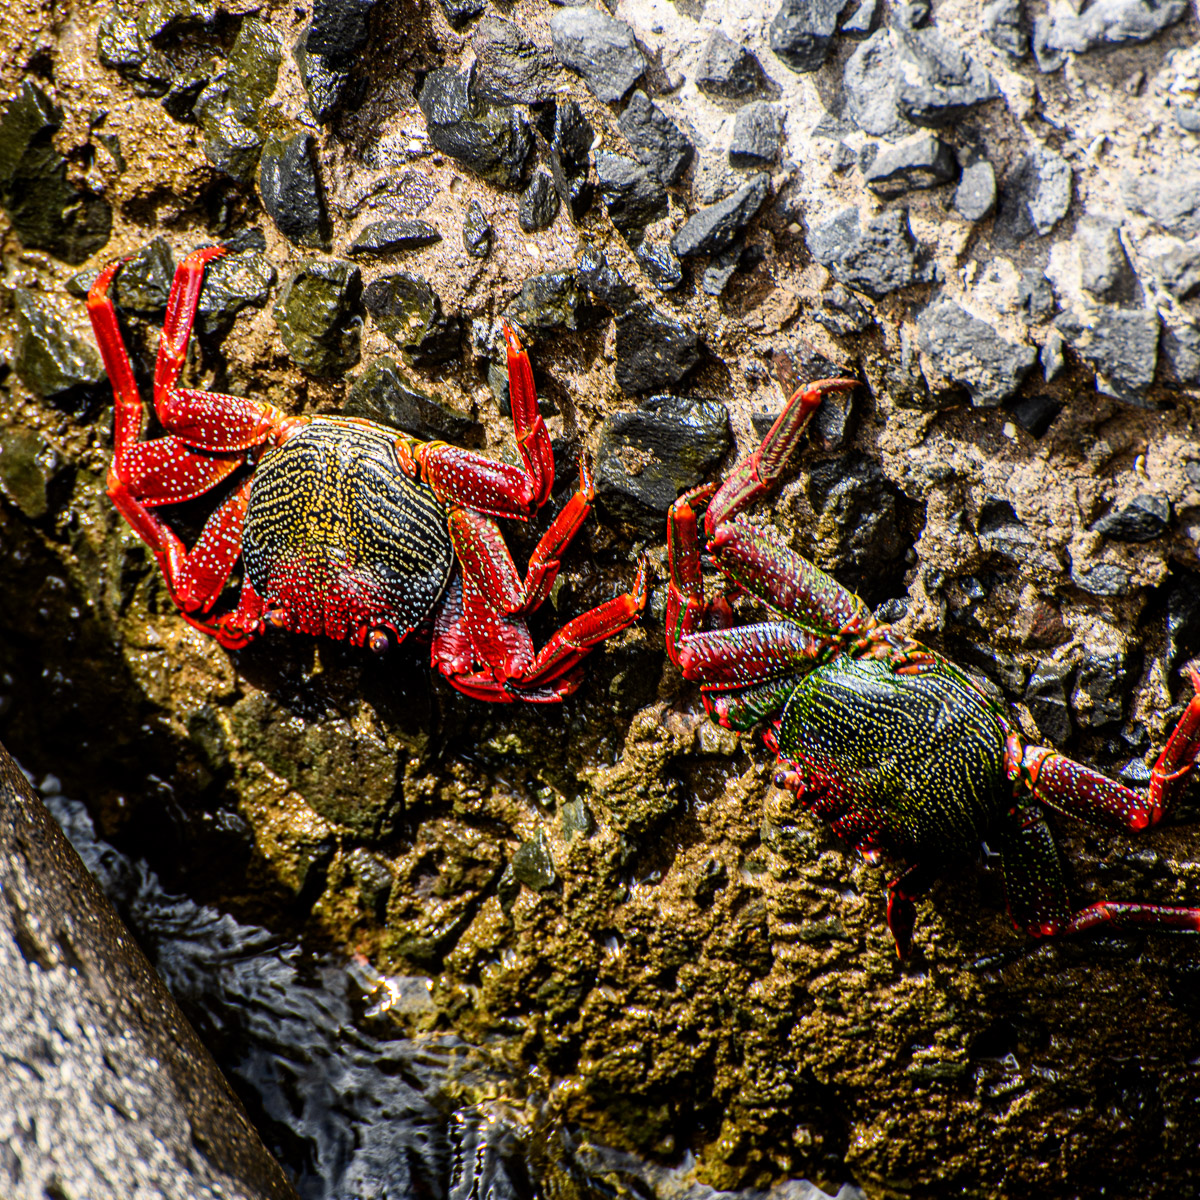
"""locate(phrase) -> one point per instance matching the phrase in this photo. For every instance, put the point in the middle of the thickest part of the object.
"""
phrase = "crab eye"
(275, 617)
(378, 641)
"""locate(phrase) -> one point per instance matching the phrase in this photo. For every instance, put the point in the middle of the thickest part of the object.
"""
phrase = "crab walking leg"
(546, 560)
(177, 324)
(1078, 790)
(756, 474)
(686, 607)
(533, 439)
(723, 659)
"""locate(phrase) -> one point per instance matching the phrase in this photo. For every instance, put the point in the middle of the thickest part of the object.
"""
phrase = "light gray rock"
(1064, 29)
(975, 196)
(871, 86)
(1006, 27)
(920, 161)
(1106, 272)
(1177, 265)
(727, 69)
(1035, 197)
(757, 135)
(938, 81)
(1181, 349)
(1173, 202)
(969, 351)
(1119, 344)
(876, 258)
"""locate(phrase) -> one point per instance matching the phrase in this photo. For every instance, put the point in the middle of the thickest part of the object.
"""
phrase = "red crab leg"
(177, 324)
(533, 439)
(724, 659)
(756, 474)
(686, 608)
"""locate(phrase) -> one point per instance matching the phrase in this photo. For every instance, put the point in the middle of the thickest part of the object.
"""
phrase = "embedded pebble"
(600, 48)
(1106, 272)
(632, 195)
(714, 228)
(477, 231)
(382, 393)
(920, 161)
(661, 265)
(1144, 518)
(539, 203)
(409, 311)
(969, 351)
(876, 258)
(726, 69)
(842, 312)
(975, 196)
(938, 83)
(287, 182)
(1066, 30)
(1006, 27)
(51, 360)
(1121, 346)
(1035, 197)
(656, 139)
(317, 315)
(511, 67)
(653, 350)
(801, 32)
(143, 283)
(757, 135)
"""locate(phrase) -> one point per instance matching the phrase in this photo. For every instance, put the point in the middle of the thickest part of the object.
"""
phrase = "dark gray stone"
(1104, 579)
(291, 192)
(599, 48)
(539, 203)
(1006, 26)
(386, 237)
(1035, 296)
(494, 143)
(938, 83)
(714, 229)
(970, 352)
(1106, 272)
(598, 277)
(1181, 348)
(339, 29)
(801, 32)
(1121, 346)
(1001, 532)
(655, 138)
(1100, 689)
(143, 283)
(727, 69)
(871, 83)
(107, 1090)
(33, 474)
(121, 46)
(1174, 202)
(532, 864)
(238, 280)
(842, 312)
(511, 68)
(647, 457)
(570, 136)
(653, 350)
(1046, 699)
(720, 270)
(876, 258)
(409, 311)
(920, 161)
(477, 231)
(633, 197)
(547, 301)
(318, 316)
(47, 212)
(1064, 31)
(661, 265)
(1143, 519)
(382, 393)
(459, 12)
(1187, 117)
(1035, 413)
(757, 135)
(1177, 265)
(1035, 197)
(975, 196)
(325, 84)
(49, 359)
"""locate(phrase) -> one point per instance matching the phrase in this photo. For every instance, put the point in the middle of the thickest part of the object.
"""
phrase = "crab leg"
(177, 324)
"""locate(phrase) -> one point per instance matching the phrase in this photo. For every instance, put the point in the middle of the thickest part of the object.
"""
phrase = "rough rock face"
(967, 201)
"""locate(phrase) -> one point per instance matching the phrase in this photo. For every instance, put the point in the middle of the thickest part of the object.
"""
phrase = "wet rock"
(920, 161)
(975, 196)
(1173, 201)
(1035, 413)
(647, 457)
(570, 136)
(409, 311)
(876, 258)
(317, 316)
(661, 265)
(459, 12)
(1121, 346)
(842, 312)
(576, 819)
(801, 32)
(47, 212)
(1035, 197)
(229, 110)
(33, 474)
(970, 352)
(871, 83)
(231, 283)
(1177, 265)
(1006, 27)
(1046, 699)
(1143, 519)
(539, 203)
(291, 192)
(857, 524)
(600, 48)
(656, 139)
(494, 143)
(1035, 296)
(757, 135)
(477, 231)
(1052, 356)
(548, 301)
(714, 229)
(386, 237)
(1106, 272)
(532, 863)
(1064, 30)
(603, 281)
(143, 283)
(1100, 688)
(632, 196)
(49, 359)
(511, 68)
(727, 69)
(328, 51)
(325, 85)
(382, 393)
(1181, 349)
(100, 1061)
(938, 83)
(123, 47)
(1103, 579)
(652, 349)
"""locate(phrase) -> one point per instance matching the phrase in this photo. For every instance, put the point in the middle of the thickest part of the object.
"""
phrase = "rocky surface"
(612, 895)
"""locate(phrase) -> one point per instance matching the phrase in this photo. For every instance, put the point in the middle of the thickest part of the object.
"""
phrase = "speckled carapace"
(346, 528)
(903, 753)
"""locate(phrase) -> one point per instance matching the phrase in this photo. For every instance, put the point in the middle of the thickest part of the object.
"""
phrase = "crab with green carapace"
(899, 750)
